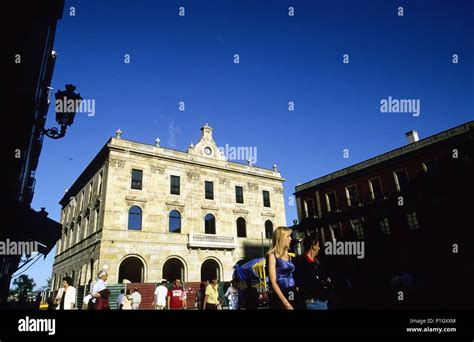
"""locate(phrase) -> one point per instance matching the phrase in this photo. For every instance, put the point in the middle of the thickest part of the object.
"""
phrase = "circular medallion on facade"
(208, 151)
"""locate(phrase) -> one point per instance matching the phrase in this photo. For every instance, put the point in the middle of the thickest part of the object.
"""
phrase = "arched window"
(210, 224)
(175, 222)
(241, 227)
(268, 229)
(135, 218)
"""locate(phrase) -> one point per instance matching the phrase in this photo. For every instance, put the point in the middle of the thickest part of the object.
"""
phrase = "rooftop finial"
(118, 134)
(206, 131)
(275, 167)
(157, 142)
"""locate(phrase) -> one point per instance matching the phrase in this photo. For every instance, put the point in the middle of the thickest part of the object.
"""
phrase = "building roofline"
(89, 170)
(92, 167)
(400, 151)
(240, 168)
(185, 153)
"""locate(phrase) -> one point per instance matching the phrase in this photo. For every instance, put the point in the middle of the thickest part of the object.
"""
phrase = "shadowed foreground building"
(149, 213)
(412, 207)
(31, 59)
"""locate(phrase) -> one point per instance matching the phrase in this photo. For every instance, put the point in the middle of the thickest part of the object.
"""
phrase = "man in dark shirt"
(250, 295)
(310, 278)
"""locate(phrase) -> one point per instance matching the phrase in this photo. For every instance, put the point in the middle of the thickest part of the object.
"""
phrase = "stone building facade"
(147, 213)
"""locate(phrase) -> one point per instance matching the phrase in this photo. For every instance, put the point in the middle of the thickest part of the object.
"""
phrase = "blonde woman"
(283, 292)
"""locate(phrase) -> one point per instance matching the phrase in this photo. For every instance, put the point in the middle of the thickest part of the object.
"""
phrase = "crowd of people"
(295, 282)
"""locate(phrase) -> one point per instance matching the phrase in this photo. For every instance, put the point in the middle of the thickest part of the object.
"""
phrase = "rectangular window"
(209, 189)
(91, 187)
(137, 178)
(375, 187)
(309, 208)
(401, 179)
(64, 216)
(99, 190)
(96, 220)
(86, 228)
(78, 233)
(331, 201)
(69, 212)
(71, 236)
(430, 166)
(239, 194)
(82, 200)
(412, 221)
(358, 228)
(384, 226)
(174, 185)
(266, 198)
(352, 195)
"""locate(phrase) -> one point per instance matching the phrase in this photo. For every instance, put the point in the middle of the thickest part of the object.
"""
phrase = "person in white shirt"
(66, 297)
(120, 299)
(85, 302)
(136, 299)
(99, 285)
(160, 296)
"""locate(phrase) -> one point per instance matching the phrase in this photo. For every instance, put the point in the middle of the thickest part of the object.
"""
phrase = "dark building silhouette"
(412, 208)
(30, 68)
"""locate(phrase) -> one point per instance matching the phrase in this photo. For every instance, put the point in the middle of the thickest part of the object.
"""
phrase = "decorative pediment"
(175, 204)
(209, 207)
(240, 211)
(268, 214)
(206, 147)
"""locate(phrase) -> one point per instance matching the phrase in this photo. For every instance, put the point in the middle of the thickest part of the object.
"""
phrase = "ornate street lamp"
(66, 105)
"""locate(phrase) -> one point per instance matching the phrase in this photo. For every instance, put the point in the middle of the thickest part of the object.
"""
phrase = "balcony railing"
(211, 241)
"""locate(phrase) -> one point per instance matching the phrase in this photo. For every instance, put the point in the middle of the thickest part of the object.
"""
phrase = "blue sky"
(282, 59)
